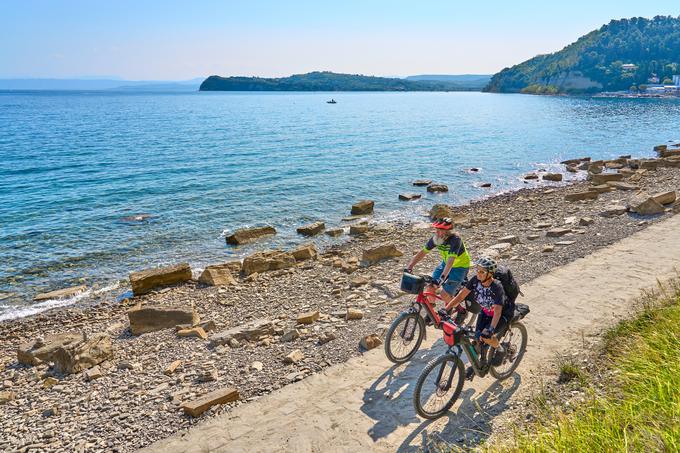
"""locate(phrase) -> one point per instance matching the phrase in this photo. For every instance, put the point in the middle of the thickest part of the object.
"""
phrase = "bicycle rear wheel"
(515, 343)
(404, 337)
(439, 386)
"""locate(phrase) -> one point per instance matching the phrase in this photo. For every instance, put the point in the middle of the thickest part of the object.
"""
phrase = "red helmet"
(443, 224)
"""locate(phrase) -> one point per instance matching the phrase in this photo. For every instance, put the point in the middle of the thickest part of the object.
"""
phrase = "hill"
(324, 81)
(620, 54)
(466, 82)
(98, 85)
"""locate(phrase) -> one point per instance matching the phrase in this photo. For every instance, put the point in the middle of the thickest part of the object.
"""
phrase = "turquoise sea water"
(73, 164)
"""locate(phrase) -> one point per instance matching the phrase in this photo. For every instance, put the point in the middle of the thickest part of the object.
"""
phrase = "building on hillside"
(653, 79)
(628, 67)
(676, 80)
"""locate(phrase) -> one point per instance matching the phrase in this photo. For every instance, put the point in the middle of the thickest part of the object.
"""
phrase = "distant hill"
(472, 82)
(98, 84)
(615, 57)
(325, 81)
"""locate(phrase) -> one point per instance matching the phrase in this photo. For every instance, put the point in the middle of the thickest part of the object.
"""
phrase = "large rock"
(251, 331)
(362, 207)
(643, 204)
(217, 275)
(578, 196)
(552, 177)
(665, 197)
(669, 153)
(246, 235)
(377, 254)
(557, 232)
(409, 196)
(267, 261)
(60, 293)
(152, 318)
(613, 210)
(437, 188)
(144, 281)
(370, 342)
(308, 317)
(312, 229)
(602, 188)
(422, 182)
(359, 228)
(305, 252)
(221, 396)
(439, 211)
(42, 350)
(604, 178)
(75, 357)
(660, 148)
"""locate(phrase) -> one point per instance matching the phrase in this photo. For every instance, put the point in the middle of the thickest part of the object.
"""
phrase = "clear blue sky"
(172, 40)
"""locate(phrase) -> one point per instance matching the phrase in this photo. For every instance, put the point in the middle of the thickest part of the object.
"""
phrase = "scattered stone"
(257, 366)
(531, 176)
(172, 367)
(326, 337)
(620, 185)
(251, 331)
(358, 281)
(565, 243)
(572, 168)
(216, 276)
(433, 188)
(557, 232)
(43, 350)
(208, 375)
(533, 237)
(363, 207)
(585, 221)
(605, 178)
(207, 325)
(49, 382)
(197, 332)
(335, 232)
(305, 252)
(548, 248)
(409, 196)
(294, 357)
(290, 335)
(509, 239)
(501, 247)
(578, 196)
(152, 318)
(594, 168)
(353, 313)
(485, 185)
(60, 293)
(380, 253)
(308, 317)
(312, 229)
(144, 281)
(613, 210)
(246, 235)
(202, 404)
(422, 182)
(552, 177)
(370, 341)
(602, 188)
(359, 228)
(267, 261)
(78, 356)
(6, 397)
(93, 373)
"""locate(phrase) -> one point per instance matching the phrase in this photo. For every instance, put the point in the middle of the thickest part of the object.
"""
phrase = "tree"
(668, 81)
(633, 88)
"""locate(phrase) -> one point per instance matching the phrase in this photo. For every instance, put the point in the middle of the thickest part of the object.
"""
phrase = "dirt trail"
(366, 404)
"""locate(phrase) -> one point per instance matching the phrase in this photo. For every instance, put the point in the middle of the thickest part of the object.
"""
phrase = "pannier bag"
(452, 333)
(412, 284)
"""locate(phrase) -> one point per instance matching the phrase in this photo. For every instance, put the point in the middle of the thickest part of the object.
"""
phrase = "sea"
(94, 185)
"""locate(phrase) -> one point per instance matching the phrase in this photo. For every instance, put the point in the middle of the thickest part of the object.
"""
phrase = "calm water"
(72, 165)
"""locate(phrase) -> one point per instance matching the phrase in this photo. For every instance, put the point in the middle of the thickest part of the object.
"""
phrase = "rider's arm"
(416, 258)
(458, 299)
(447, 268)
(497, 312)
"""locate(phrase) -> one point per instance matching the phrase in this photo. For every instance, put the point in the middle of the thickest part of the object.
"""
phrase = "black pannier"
(412, 284)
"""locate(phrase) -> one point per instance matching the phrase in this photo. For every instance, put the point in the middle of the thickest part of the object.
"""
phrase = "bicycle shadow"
(389, 401)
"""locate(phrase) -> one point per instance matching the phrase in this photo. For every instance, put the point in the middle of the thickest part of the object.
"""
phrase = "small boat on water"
(332, 101)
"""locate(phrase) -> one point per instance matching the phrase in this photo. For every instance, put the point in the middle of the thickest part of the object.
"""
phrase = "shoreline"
(134, 403)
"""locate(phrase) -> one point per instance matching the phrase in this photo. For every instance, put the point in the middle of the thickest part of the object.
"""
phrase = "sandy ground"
(366, 404)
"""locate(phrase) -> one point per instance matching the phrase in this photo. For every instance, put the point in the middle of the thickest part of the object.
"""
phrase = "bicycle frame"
(423, 300)
(468, 348)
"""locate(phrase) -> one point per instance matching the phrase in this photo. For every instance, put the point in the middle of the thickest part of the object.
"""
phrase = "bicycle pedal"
(470, 373)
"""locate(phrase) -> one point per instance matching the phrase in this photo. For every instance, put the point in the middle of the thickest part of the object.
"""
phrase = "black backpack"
(510, 286)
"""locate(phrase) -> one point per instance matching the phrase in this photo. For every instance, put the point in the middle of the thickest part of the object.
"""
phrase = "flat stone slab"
(578, 196)
(60, 293)
(312, 229)
(363, 207)
(202, 404)
(557, 232)
(251, 331)
(145, 281)
(247, 235)
(422, 182)
(152, 318)
(409, 196)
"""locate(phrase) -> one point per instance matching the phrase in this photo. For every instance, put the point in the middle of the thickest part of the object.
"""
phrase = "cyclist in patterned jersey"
(455, 259)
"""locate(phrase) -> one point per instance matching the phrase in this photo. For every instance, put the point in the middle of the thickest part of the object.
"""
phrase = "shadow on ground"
(389, 401)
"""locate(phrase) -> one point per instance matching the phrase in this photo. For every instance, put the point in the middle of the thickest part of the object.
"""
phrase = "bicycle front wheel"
(439, 386)
(404, 337)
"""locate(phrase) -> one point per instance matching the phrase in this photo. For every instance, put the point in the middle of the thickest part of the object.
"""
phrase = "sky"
(180, 40)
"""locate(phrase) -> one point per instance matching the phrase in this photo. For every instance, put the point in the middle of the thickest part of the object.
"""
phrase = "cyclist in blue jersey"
(455, 259)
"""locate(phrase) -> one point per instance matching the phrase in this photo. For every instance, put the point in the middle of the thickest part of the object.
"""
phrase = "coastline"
(135, 403)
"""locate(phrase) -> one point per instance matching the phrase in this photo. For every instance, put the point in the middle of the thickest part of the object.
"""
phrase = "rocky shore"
(303, 318)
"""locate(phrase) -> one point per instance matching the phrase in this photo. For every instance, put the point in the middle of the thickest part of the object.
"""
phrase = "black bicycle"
(440, 383)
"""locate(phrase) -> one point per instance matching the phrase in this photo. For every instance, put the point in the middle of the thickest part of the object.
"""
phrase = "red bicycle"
(406, 334)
